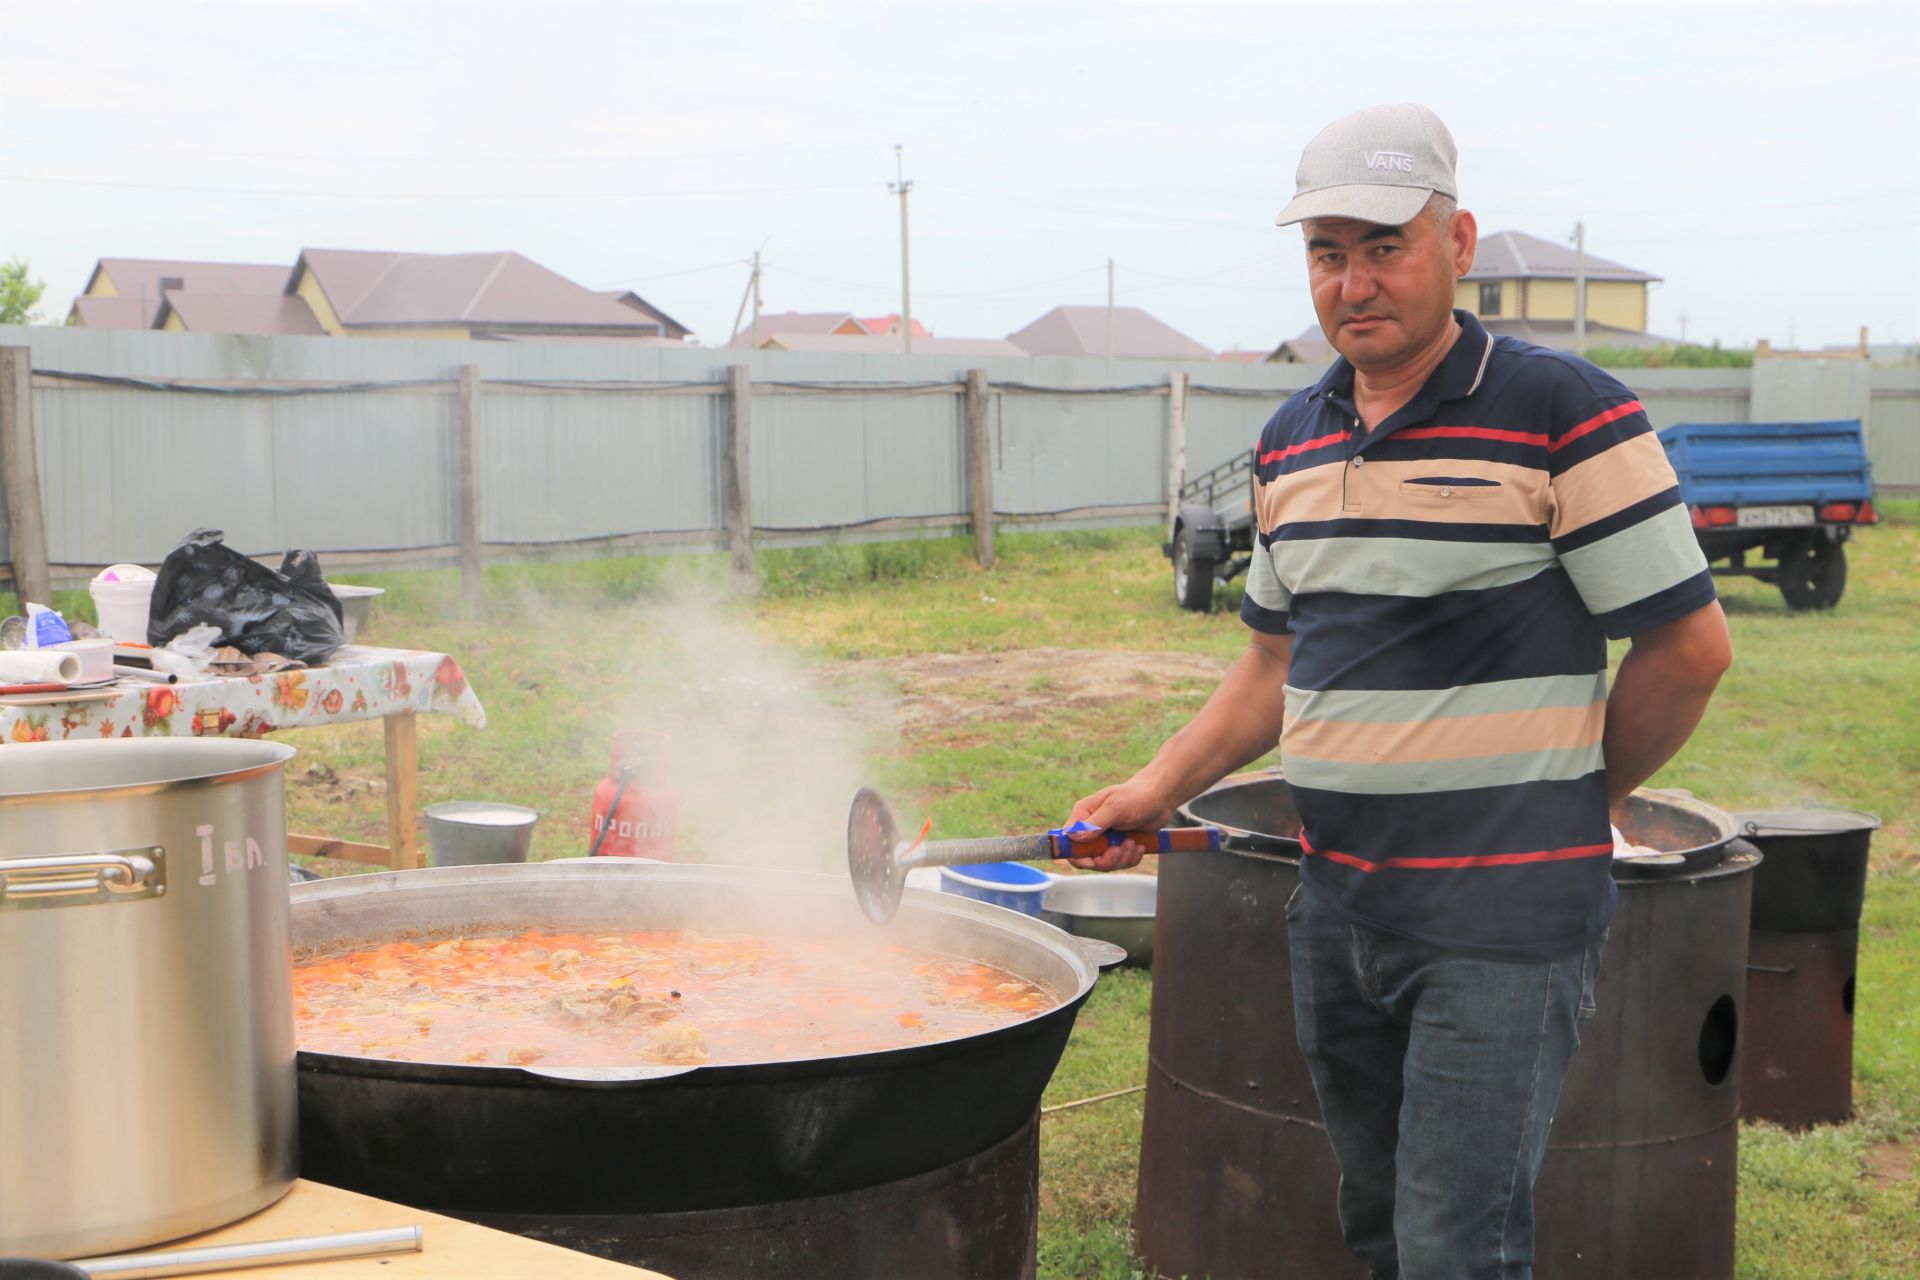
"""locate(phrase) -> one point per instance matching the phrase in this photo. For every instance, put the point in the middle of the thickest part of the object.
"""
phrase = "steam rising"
(765, 760)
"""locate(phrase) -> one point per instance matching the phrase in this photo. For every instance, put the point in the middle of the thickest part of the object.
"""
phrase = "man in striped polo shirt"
(1451, 528)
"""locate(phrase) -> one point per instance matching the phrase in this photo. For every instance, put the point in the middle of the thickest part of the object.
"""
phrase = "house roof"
(368, 288)
(1309, 346)
(1515, 255)
(889, 344)
(891, 324)
(796, 322)
(1082, 331)
(258, 313)
(1237, 356)
(621, 339)
(1558, 334)
(110, 313)
(136, 278)
(669, 327)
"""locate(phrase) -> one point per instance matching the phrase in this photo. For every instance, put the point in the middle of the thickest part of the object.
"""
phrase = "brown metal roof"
(109, 313)
(1558, 334)
(1082, 331)
(252, 313)
(785, 322)
(140, 277)
(669, 327)
(889, 344)
(370, 289)
(1309, 346)
(1515, 255)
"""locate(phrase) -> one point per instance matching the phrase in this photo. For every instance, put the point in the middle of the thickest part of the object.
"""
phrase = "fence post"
(979, 468)
(736, 493)
(20, 470)
(470, 580)
(1176, 440)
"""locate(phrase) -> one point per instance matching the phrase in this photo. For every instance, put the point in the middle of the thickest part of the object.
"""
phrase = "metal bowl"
(1113, 908)
(356, 607)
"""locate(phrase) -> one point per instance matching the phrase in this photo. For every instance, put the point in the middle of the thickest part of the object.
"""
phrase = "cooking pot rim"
(264, 758)
(717, 1075)
(1061, 944)
(1771, 824)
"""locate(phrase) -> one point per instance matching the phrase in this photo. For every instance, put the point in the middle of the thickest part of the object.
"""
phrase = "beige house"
(1516, 276)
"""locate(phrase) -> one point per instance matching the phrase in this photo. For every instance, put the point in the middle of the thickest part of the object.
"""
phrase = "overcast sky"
(1761, 157)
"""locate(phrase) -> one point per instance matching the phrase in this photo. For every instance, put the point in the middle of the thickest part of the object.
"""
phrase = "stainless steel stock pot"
(146, 1022)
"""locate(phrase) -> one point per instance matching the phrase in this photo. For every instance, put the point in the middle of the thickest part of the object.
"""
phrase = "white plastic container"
(96, 659)
(122, 596)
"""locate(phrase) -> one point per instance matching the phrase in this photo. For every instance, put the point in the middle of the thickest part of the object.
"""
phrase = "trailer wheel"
(1192, 575)
(1815, 576)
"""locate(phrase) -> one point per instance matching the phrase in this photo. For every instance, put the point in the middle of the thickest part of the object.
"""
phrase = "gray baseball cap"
(1379, 165)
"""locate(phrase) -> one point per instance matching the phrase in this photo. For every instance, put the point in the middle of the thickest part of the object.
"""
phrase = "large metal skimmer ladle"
(878, 861)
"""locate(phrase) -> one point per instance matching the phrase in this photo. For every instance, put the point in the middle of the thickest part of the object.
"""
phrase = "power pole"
(901, 186)
(756, 300)
(1109, 310)
(752, 295)
(1683, 326)
(1580, 288)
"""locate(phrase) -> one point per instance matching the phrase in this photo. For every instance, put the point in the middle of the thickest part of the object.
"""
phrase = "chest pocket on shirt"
(1451, 489)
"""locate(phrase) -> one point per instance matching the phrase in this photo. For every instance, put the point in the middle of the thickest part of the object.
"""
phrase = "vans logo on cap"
(1395, 160)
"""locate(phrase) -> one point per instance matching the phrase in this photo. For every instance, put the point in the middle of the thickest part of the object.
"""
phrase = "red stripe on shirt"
(1594, 423)
(1448, 864)
(1320, 442)
(1471, 433)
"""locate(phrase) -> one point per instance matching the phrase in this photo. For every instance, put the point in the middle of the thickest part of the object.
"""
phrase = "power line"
(655, 194)
(668, 275)
(9, 138)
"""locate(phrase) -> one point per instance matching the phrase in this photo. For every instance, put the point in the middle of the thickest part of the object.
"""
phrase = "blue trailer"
(1787, 492)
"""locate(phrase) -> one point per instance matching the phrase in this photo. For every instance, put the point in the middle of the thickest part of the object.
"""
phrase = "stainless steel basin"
(1113, 908)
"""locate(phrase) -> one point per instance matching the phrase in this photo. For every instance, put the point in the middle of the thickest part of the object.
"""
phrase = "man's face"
(1385, 293)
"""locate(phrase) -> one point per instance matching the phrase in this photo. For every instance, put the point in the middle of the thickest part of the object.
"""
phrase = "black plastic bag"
(293, 613)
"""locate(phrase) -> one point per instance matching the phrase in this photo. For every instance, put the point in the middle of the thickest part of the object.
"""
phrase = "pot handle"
(1100, 953)
(607, 1075)
(75, 879)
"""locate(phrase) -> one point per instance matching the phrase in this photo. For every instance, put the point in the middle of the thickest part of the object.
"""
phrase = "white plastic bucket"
(122, 596)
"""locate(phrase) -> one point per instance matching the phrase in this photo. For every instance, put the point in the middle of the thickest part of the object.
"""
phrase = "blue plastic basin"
(1012, 885)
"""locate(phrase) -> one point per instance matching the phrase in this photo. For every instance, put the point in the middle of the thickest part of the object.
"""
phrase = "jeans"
(1437, 1074)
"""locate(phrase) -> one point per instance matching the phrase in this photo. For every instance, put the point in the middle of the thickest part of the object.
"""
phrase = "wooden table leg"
(403, 791)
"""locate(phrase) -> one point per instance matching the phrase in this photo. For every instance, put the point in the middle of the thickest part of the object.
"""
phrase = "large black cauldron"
(479, 1140)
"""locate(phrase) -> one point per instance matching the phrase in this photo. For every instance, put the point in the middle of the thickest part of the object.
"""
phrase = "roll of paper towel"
(38, 666)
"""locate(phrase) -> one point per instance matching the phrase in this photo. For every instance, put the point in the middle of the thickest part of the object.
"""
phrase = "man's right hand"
(1240, 723)
(1131, 806)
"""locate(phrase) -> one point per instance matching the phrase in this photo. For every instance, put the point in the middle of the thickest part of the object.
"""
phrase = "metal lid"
(1820, 821)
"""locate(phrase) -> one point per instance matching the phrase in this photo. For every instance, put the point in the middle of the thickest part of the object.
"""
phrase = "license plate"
(1773, 517)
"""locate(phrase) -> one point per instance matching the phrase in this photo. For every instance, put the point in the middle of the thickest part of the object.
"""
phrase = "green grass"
(1819, 707)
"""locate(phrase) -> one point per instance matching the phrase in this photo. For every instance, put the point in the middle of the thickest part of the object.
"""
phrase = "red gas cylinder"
(634, 810)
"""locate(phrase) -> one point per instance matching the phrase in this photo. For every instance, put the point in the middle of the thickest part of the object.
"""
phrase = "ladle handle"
(1082, 841)
(1077, 841)
(972, 852)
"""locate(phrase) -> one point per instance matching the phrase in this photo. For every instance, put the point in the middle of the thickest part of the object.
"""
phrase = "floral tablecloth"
(359, 683)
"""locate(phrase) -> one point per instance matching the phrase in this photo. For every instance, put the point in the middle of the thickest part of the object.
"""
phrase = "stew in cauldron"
(666, 997)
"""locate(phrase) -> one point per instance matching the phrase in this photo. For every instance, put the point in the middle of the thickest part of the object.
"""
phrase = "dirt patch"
(323, 782)
(939, 693)
(1890, 1162)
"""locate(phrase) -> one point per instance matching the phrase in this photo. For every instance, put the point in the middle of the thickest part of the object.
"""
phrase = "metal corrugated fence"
(349, 447)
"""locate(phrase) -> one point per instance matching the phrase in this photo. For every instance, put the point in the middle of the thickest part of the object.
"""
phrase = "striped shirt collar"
(1459, 373)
